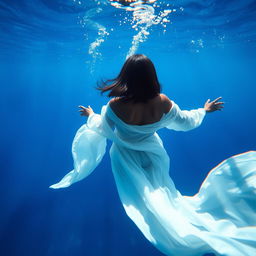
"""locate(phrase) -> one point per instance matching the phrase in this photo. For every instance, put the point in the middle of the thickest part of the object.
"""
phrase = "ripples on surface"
(89, 23)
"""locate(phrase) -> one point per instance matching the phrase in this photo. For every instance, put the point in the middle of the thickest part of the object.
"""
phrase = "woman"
(219, 219)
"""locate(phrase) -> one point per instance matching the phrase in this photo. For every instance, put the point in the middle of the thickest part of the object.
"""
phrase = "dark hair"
(137, 80)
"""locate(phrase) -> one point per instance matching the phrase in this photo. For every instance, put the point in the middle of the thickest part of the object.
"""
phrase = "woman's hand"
(211, 106)
(85, 111)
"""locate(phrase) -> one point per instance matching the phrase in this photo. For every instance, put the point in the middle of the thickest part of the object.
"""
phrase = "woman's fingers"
(82, 107)
(219, 104)
(89, 107)
(214, 105)
(217, 99)
(85, 111)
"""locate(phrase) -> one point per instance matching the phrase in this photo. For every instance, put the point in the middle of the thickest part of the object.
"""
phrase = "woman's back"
(141, 113)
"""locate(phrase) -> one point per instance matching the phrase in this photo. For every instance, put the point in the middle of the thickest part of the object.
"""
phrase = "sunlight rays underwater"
(52, 51)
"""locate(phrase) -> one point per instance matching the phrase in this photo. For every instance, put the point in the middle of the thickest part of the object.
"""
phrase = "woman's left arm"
(88, 149)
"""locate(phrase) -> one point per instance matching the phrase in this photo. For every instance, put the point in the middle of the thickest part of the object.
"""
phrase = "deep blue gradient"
(208, 50)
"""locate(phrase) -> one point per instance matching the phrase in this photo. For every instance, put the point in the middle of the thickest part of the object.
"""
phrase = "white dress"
(220, 218)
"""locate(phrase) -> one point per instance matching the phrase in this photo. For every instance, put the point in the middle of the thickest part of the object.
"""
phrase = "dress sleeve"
(184, 120)
(88, 149)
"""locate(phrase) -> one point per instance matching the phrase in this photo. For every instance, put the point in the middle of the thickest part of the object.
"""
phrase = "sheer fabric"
(219, 219)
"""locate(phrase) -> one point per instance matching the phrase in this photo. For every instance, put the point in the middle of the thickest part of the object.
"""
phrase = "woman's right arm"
(209, 106)
(184, 120)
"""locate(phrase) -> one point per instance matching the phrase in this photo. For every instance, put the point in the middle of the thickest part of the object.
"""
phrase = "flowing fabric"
(219, 219)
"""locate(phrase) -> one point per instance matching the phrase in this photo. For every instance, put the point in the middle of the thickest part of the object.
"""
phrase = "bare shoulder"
(115, 104)
(166, 103)
(114, 101)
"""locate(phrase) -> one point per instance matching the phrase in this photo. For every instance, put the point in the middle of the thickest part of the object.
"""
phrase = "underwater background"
(53, 53)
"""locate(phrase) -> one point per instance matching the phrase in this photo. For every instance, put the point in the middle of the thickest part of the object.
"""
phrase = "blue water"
(49, 65)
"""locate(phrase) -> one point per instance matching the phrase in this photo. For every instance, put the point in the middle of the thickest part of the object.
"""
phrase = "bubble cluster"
(143, 18)
(197, 45)
(102, 33)
(139, 15)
